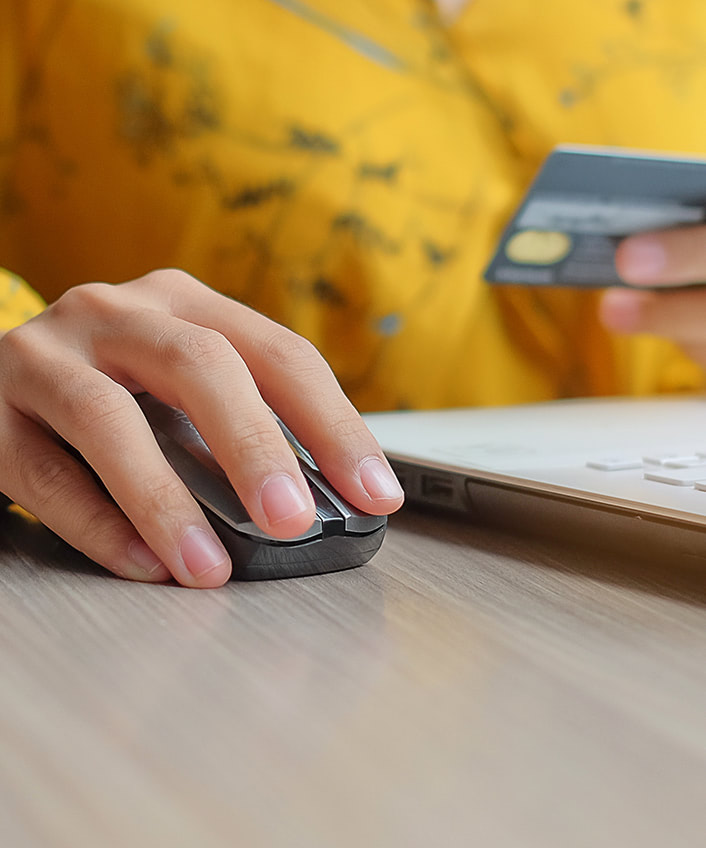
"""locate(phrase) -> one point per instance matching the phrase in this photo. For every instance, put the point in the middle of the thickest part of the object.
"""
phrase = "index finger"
(297, 383)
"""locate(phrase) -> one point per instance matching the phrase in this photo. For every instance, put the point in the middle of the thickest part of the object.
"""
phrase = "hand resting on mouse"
(72, 372)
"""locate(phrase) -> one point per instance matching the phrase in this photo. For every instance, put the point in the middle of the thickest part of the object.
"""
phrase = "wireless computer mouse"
(341, 536)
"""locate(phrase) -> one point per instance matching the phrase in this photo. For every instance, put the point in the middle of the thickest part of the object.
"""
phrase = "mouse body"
(341, 536)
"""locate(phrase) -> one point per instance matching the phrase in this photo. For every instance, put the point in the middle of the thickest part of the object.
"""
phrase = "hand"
(72, 371)
(670, 257)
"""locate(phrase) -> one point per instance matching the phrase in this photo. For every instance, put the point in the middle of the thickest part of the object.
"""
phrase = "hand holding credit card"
(583, 201)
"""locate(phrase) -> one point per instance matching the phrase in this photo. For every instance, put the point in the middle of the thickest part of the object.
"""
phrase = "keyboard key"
(676, 476)
(685, 462)
(669, 459)
(615, 463)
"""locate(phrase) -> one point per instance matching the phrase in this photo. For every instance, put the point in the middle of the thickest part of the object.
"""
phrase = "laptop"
(627, 473)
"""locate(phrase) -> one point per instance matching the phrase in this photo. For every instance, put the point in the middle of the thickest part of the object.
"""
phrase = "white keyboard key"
(689, 461)
(677, 476)
(615, 463)
(668, 458)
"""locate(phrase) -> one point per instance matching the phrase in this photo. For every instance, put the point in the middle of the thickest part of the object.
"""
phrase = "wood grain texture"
(465, 688)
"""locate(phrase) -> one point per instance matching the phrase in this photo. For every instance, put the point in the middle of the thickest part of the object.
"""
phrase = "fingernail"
(200, 552)
(378, 481)
(643, 258)
(144, 557)
(282, 499)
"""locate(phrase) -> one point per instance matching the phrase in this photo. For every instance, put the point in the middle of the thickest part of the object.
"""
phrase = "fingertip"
(205, 562)
(292, 527)
(288, 511)
(213, 579)
(160, 575)
(381, 485)
(144, 565)
(641, 260)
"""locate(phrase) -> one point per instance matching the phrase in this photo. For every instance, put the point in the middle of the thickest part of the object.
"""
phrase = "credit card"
(582, 202)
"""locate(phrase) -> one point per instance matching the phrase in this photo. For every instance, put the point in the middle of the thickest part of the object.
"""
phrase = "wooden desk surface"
(466, 688)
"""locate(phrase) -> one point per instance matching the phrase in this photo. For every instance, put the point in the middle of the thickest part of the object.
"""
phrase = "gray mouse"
(341, 536)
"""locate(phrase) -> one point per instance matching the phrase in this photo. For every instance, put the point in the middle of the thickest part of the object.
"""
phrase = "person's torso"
(343, 167)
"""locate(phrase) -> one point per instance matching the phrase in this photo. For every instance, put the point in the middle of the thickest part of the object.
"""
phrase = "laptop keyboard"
(673, 469)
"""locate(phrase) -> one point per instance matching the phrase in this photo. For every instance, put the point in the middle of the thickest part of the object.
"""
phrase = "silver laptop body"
(622, 472)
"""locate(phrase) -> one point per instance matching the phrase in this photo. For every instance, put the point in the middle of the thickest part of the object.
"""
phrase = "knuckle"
(84, 299)
(192, 347)
(260, 440)
(47, 479)
(347, 429)
(161, 495)
(169, 279)
(291, 352)
(91, 407)
(23, 357)
(19, 344)
(98, 519)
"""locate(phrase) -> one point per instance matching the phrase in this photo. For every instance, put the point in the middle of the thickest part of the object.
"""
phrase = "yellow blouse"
(343, 167)
(18, 303)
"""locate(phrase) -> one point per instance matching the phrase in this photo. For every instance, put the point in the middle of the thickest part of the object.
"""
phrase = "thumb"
(667, 257)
